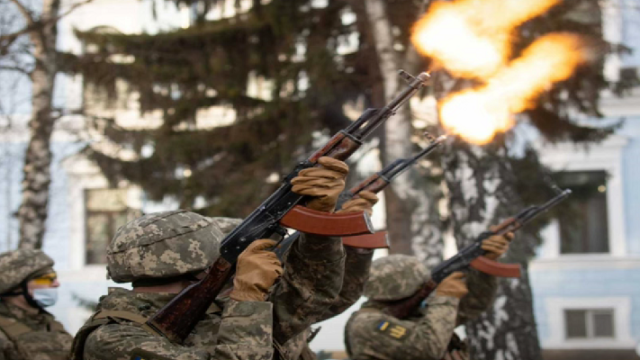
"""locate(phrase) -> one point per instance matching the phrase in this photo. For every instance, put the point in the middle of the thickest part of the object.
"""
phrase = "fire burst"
(477, 45)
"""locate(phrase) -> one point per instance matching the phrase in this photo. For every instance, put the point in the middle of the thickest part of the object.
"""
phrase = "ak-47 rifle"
(374, 183)
(472, 256)
(176, 319)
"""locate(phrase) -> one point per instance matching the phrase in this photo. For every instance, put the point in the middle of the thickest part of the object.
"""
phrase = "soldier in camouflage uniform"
(425, 335)
(356, 272)
(314, 271)
(27, 285)
(161, 254)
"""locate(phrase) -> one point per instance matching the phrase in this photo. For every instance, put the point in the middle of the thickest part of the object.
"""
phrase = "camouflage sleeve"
(482, 291)
(245, 331)
(356, 272)
(386, 337)
(312, 279)
(124, 342)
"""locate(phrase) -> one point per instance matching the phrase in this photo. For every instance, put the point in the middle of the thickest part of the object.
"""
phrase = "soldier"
(356, 272)
(159, 257)
(28, 284)
(161, 254)
(426, 335)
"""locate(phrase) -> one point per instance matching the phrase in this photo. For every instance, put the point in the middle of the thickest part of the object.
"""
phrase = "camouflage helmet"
(395, 277)
(226, 224)
(163, 245)
(20, 265)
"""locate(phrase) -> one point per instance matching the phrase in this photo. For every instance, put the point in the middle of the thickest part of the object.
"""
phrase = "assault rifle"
(176, 319)
(472, 256)
(374, 183)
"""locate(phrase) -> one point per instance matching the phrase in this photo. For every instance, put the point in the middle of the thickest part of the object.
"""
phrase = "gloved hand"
(256, 270)
(365, 202)
(496, 245)
(324, 183)
(454, 285)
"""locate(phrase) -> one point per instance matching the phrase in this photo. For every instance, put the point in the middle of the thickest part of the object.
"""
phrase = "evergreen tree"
(183, 73)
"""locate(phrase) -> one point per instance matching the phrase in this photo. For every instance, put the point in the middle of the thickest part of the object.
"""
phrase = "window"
(589, 324)
(106, 211)
(583, 221)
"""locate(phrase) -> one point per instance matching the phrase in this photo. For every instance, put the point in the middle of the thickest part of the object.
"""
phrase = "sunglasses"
(46, 279)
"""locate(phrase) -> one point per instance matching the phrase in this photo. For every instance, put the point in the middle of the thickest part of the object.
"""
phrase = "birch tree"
(411, 203)
(31, 51)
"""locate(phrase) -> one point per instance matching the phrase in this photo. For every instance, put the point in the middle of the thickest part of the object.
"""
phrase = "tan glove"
(454, 285)
(323, 183)
(256, 270)
(365, 203)
(496, 245)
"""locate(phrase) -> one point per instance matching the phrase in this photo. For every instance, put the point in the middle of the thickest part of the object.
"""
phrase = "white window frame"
(607, 157)
(589, 326)
(84, 175)
(555, 311)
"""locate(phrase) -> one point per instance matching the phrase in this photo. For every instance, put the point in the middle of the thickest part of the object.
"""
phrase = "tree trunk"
(410, 203)
(481, 195)
(37, 167)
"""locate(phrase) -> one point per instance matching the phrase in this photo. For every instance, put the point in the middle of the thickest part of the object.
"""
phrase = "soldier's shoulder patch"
(393, 330)
(139, 354)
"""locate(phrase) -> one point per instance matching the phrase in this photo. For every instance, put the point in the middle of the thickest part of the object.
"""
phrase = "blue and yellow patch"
(393, 330)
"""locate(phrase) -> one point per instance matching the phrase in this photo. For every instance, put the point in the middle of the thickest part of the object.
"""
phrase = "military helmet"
(163, 245)
(395, 277)
(226, 224)
(20, 265)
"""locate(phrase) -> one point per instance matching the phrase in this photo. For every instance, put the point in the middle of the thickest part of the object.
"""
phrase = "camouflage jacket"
(31, 337)
(241, 331)
(356, 272)
(312, 279)
(310, 285)
(372, 334)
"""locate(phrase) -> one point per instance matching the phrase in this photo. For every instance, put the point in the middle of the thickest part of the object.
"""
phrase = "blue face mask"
(45, 297)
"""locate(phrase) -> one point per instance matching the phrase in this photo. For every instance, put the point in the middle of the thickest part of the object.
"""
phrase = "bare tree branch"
(37, 24)
(14, 68)
(24, 11)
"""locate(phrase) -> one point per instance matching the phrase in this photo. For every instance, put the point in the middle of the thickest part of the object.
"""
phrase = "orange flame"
(477, 114)
(471, 38)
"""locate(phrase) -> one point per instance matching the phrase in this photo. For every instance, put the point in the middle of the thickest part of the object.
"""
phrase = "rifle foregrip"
(373, 183)
(340, 147)
(176, 319)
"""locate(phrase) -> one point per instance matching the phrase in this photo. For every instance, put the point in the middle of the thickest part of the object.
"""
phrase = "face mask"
(45, 297)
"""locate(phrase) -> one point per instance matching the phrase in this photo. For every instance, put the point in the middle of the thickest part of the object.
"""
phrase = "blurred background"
(110, 109)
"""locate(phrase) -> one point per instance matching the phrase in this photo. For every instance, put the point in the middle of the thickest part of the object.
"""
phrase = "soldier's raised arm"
(483, 287)
(314, 266)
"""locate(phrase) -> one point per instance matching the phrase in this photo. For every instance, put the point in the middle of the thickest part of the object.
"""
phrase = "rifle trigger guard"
(321, 223)
(495, 268)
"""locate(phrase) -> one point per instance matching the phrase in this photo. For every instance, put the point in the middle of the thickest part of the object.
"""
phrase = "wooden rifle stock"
(403, 308)
(176, 319)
